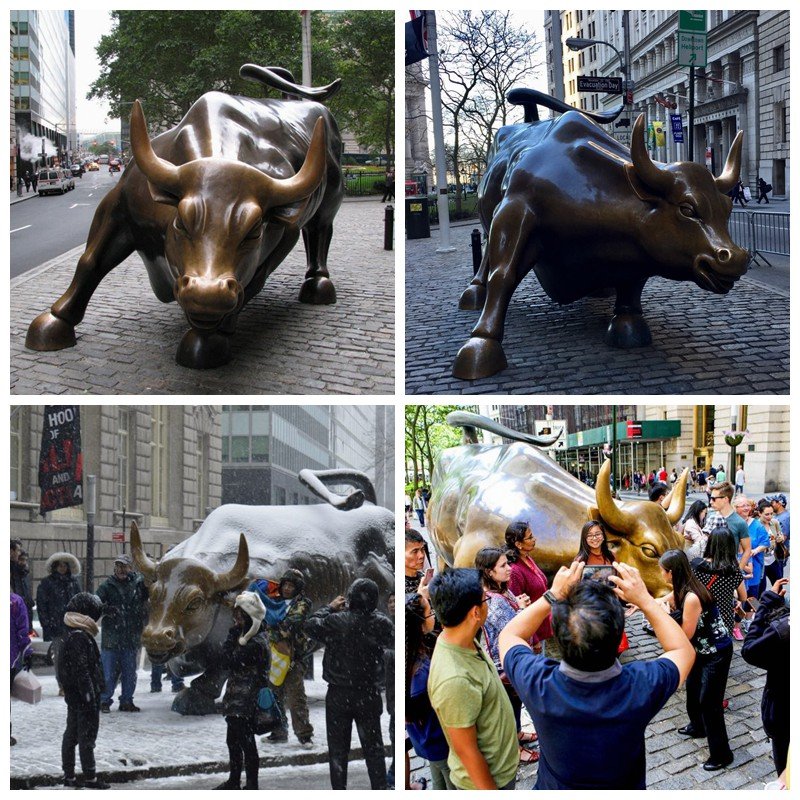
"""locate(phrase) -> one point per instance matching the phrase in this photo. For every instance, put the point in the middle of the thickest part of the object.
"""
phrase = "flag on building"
(60, 459)
(416, 38)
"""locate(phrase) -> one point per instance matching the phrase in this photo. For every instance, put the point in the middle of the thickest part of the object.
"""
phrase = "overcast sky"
(89, 27)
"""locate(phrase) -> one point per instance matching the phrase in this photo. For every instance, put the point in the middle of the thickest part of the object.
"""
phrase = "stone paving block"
(131, 338)
(560, 349)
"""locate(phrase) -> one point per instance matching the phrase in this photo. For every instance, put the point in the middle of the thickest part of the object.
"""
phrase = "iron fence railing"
(761, 232)
(361, 184)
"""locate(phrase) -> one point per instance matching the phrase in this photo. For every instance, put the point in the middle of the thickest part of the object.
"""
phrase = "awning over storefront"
(658, 430)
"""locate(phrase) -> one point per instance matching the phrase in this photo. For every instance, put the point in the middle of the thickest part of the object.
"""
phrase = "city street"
(128, 339)
(702, 342)
(45, 227)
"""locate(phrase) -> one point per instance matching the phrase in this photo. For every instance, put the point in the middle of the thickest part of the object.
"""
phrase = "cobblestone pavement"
(128, 339)
(675, 762)
(702, 343)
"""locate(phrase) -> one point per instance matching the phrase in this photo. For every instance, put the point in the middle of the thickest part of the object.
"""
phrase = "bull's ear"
(639, 189)
(288, 215)
(161, 196)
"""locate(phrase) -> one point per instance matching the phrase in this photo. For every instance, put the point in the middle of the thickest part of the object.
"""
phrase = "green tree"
(426, 435)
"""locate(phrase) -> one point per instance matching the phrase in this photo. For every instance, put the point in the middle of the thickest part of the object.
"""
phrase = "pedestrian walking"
(388, 193)
(738, 481)
(763, 189)
(20, 581)
(21, 650)
(35, 180)
(355, 636)
(27, 179)
(54, 593)
(419, 507)
(125, 598)
(80, 673)
(247, 659)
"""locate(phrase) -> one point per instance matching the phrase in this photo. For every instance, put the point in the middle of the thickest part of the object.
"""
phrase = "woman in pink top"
(526, 577)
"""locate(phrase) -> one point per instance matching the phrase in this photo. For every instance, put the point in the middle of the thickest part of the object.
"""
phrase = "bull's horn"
(678, 500)
(655, 178)
(146, 567)
(727, 180)
(234, 577)
(277, 192)
(614, 515)
(158, 171)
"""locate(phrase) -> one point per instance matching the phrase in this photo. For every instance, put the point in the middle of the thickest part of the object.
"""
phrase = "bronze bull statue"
(477, 490)
(192, 588)
(564, 198)
(213, 206)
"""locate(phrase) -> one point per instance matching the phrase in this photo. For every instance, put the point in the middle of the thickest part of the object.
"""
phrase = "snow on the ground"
(155, 737)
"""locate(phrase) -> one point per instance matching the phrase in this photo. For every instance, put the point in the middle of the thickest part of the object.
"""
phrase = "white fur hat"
(67, 558)
(252, 605)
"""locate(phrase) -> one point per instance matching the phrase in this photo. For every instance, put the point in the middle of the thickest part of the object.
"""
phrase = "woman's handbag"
(267, 716)
(280, 662)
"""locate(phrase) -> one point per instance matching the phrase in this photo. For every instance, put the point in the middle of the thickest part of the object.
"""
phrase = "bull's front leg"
(109, 243)
(317, 288)
(509, 238)
(628, 327)
(474, 296)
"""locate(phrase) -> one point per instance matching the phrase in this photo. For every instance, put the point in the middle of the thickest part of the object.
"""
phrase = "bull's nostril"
(184, 282)
(723, 255)
(232, 286)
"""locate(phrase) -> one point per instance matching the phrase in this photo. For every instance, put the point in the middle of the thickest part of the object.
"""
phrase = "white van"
(52, 181)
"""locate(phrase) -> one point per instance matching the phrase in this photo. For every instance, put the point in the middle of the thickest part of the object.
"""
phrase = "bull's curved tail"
(283, 80)
(470, 422)
(529, 99)
(318, 481)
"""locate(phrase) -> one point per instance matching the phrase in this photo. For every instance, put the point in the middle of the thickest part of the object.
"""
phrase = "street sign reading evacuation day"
(596, 84)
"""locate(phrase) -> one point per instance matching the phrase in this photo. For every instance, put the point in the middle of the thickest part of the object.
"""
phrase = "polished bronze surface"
(477, 490)
(563, 198)
(213, 206)
(192, 588)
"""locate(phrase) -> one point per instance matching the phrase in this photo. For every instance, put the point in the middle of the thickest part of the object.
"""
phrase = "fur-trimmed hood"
(74, 564)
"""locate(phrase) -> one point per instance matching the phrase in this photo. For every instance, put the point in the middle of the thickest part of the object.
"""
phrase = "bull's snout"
(719, 272)
(160, 643)
(207, 300)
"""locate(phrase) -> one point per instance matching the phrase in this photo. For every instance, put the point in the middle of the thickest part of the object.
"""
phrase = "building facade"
(744, 86)
(44, 86)
(159, 465)
(264, 447)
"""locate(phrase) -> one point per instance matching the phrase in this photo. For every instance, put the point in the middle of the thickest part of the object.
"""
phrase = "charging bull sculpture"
(213, 206)
(477, 490)
(192, 588)
(590, 217)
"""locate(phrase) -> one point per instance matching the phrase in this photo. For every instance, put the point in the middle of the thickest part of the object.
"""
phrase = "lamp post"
(577, 43)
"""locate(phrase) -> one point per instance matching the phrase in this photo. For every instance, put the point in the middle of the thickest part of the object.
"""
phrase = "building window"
(159, 460)
(16, 456)
(123, 458)
(781, 122)
(203, 446)
(778, 56)
(280, 496)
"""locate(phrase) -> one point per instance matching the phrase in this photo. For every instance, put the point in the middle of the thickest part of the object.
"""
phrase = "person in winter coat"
(246, 657)
(355, 636)
(125, 598)
(20, 582)
(767, 646)
(21, 651)
(52, 596)
(80, 673)
(288, 635)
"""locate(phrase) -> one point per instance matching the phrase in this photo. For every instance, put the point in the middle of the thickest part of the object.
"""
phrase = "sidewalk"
(702, 343)
(128, 339)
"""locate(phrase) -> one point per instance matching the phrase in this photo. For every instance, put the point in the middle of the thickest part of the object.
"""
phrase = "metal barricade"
(761, 232)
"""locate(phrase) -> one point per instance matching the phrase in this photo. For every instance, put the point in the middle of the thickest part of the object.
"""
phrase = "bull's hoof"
(627, 331)
(318, 292)
(193, 704)
(479, 358)
(472, 298)
(199, 350)
(48, 332)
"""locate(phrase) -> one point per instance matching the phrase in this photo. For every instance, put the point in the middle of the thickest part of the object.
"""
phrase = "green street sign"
(692, 49)
(692, 21)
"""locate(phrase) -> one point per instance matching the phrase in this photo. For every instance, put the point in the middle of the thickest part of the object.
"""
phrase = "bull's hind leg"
(509, 237)
(628, 327)
(317, 288)
(109, 243)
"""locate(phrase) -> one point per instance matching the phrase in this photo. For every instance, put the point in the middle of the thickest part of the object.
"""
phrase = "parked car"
(52, 181)
(69, 181)
(114, 166)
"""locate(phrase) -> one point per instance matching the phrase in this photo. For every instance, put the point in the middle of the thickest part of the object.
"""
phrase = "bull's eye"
(649, 551)
(688, 210)
(194, 606)
(253, 233)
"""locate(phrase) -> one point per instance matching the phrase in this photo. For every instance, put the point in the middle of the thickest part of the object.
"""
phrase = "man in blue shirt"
(781, 514)
(589, 711)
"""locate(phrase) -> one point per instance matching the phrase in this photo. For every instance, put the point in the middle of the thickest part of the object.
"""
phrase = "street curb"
(208, 767)
(15, 200)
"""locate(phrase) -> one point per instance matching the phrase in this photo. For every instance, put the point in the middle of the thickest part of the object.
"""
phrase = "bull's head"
(686, 227)
(640, 532)
(214, 241)
(185, 598)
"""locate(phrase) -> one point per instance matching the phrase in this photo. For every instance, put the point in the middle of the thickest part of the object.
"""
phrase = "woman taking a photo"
(694, 608)
(422, 724)
(502, 607)
(693, 530)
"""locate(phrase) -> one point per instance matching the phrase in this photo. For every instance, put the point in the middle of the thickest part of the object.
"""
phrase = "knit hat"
(295, 577)
(251, 604)
(90, 605)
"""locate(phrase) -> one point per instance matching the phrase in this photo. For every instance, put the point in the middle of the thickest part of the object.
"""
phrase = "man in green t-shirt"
(720, 502)
(465, 690)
